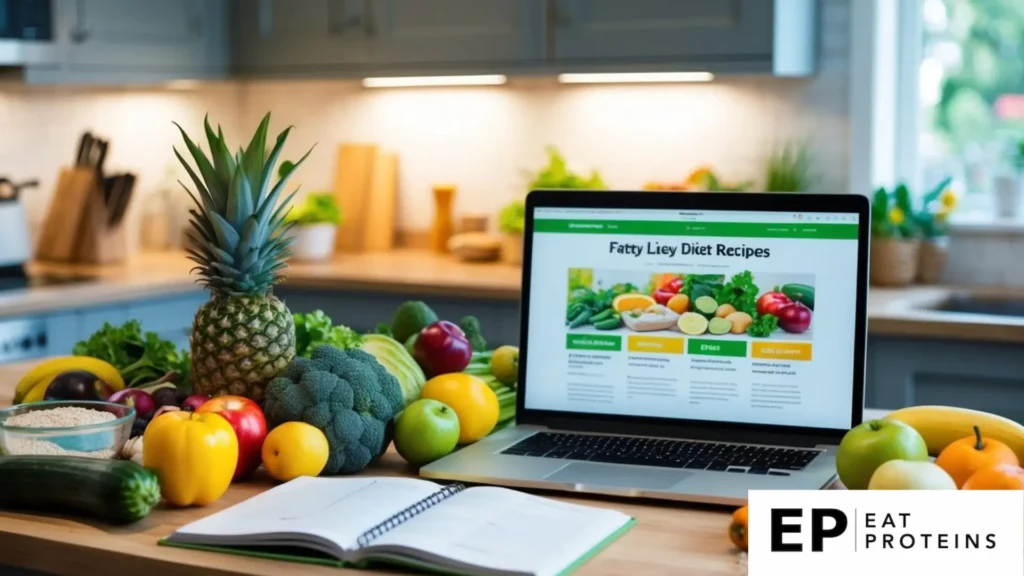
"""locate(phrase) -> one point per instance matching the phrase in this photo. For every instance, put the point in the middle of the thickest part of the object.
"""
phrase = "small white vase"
(1008, 196)
(314, 242)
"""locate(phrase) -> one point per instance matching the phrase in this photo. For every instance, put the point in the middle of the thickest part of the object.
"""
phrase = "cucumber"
(609, 323)
(801, 293)
(706, 306)
(117, 491)
(603, 315)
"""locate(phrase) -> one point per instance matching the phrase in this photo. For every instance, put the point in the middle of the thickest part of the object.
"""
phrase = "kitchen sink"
(979, 304)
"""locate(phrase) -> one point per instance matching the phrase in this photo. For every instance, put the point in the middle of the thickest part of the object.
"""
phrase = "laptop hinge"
(766, 437)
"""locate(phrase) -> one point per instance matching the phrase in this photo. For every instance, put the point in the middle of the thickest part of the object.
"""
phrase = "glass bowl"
(97, 440)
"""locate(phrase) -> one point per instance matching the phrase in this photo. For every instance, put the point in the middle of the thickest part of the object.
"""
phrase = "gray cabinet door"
(667, 30)
(492, 32)
(296, 36)
(171, 35)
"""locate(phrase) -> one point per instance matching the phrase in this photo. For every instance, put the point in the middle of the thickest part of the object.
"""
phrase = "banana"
(45, 371)
(37, 393)
(940, 426)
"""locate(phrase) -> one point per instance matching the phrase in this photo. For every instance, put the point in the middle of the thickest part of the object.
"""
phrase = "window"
(970, 95)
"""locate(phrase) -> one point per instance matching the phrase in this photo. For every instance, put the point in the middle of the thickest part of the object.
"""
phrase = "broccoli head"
(471, 327)
(347, 394)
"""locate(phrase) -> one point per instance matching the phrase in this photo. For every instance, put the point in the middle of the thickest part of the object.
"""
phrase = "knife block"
(76, 228)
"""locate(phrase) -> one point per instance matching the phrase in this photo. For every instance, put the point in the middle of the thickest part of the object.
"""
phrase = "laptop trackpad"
(611, 475)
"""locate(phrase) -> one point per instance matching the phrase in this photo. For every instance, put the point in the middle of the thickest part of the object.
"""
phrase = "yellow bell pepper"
(193, 455)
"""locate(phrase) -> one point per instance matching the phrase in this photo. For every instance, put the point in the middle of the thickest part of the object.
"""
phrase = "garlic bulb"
(132, 450)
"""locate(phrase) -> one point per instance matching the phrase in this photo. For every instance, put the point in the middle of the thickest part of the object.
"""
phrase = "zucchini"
(117, 491)
(800, 293)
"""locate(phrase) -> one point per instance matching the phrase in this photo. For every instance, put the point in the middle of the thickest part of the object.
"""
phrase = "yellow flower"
(948, 199)
(896, 216)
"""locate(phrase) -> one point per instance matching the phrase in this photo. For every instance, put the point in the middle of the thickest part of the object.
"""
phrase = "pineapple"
(243, 336)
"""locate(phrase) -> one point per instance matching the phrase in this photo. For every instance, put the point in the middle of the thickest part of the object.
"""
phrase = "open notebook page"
(503, 531)
(337, 510)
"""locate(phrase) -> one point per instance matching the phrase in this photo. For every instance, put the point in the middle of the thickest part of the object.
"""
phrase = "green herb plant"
(789, 169)
(316, 329)
(892, 214)
(763, 326)
(316, 208)
(555, 175)
(141, 357)
(933, 218)
(740, 292)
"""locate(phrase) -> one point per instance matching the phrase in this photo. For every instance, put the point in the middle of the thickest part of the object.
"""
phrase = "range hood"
(19, 53)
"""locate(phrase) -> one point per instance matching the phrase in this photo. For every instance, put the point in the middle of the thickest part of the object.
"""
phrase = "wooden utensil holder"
(77, 227)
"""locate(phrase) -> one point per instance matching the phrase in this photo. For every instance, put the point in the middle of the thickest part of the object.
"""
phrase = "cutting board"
(60, 235)
(379, 223)
(353, 175)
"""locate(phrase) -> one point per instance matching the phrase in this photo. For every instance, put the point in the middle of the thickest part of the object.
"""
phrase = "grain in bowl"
(90, 429)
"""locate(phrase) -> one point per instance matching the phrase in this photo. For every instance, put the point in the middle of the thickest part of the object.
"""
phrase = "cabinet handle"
(79, 34)
(347, 22)
(557, 16)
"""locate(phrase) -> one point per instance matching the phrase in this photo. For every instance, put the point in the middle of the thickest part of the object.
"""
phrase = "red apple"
(193, 402)
(250, 427)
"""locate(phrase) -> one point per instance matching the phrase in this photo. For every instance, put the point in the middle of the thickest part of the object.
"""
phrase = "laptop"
(682, 346)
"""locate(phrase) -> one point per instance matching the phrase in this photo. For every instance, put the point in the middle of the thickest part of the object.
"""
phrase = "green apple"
(867, 446)
(425, 431)
(910, 475)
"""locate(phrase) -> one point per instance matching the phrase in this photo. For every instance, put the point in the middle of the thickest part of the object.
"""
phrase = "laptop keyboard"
(692, 455)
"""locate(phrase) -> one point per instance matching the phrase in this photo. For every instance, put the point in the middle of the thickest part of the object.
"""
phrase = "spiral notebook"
(415, 523)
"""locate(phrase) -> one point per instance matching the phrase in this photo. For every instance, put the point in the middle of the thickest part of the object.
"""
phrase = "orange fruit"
(997, 477)
(738, 528)
(471, 398)
(679, 303)
(963, 458)
(295, 449)
(626, 302)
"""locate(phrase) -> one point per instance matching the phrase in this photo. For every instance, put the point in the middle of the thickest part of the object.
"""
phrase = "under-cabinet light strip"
(635, 77)
(415, 81)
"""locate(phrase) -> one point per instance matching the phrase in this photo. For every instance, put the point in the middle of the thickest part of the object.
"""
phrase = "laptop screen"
(724, 316)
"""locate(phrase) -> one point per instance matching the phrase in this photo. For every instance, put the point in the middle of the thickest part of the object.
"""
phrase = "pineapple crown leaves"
(239, 225)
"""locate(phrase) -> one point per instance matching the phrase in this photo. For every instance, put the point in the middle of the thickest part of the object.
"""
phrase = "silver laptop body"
(788, 415)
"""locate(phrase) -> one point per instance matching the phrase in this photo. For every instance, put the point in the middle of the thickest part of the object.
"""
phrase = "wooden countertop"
(667, 539)
(898, 312)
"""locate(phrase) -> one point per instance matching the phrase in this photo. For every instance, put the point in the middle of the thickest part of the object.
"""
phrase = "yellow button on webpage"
(782, 350)
(655, 344)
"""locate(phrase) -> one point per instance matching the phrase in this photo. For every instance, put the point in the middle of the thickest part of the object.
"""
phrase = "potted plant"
(933, 222)
(895, 243)
(556, 175)
(789, 169)
(316, 222)
(1010, 187)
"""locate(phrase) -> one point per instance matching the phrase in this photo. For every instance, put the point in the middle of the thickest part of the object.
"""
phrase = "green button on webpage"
(593, 342)
(705, 347)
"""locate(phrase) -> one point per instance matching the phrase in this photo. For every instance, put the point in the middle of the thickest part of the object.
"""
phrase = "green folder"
(308, 557)
(364, 522)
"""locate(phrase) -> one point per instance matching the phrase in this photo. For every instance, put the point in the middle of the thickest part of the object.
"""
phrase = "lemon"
(474, 403)
(295, 449)
(505, 365)
(693, 324)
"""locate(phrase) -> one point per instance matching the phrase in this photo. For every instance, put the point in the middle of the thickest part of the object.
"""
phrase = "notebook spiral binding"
(409, 513)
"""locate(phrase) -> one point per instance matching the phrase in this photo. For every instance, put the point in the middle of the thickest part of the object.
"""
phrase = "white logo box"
(888, 532)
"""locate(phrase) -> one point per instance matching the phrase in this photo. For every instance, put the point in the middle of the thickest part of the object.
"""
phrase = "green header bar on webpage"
(726, 229)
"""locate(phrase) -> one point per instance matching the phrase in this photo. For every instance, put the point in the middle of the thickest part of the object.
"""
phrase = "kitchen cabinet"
(127, 41)
(170, 317)
(978, 375)
(378, 37)
(363, 311)
(774, 36)
(310, 37)
(275, 37)
(495, 33)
